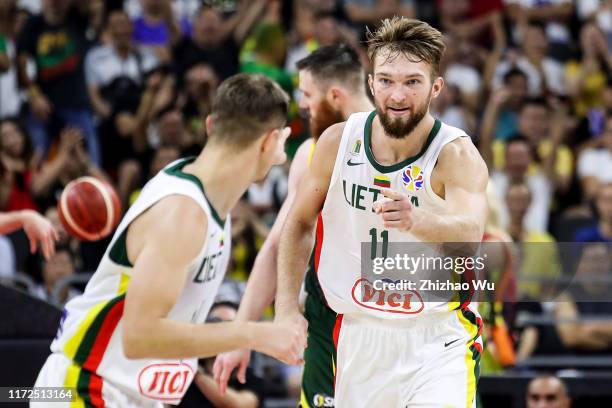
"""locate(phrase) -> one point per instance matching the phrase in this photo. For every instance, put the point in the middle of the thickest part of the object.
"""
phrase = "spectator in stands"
(183, 11)
(248, 234)
(595, 164)
(364, 13)
(547, 391)
(554, 16)
(116, 76)
(162, 156)
(266, 196)
(216, 41)
(70, 162)
(543, 131)
(195, 102)
(586, 78)
(10, 99)
(17, 168)
(475, 21)
(539, 255)
(512, 98)
(268, 55)
(602, 231)
(593, 124)
(56, 268)
(157, 28)
(56, 41)
(170, 130)
(450, 109)
(519, 158)
(459, 67)
(584, 309)
(325, 30)
(544, 74)
(116, 71)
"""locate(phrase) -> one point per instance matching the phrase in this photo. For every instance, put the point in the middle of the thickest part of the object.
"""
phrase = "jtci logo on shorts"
(165, 382)
(398, 301)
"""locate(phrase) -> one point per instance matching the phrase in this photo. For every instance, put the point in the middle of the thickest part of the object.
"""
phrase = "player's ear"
(371, 84)
(334, 96)
(268, 140)
(437, 86)
(208, 124)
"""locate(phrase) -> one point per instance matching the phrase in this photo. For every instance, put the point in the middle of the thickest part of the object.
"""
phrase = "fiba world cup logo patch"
(412, 177)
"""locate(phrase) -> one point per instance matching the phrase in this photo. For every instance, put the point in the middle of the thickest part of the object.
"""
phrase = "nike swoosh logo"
(451, 342)
(350, 163)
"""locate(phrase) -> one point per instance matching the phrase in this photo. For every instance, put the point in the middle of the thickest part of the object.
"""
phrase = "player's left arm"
(463, 175)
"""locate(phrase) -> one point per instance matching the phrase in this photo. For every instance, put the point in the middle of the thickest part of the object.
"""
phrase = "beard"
(326, 116)
(399, 128)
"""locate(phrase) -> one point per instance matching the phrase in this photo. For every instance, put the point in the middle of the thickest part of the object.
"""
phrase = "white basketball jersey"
(347, 219)
(92, 326)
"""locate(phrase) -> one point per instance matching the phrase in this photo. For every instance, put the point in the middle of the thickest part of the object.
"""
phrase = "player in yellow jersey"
(332, 84)
(132, 339)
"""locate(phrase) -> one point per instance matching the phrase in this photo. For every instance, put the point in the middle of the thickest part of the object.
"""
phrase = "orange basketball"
(89, 209)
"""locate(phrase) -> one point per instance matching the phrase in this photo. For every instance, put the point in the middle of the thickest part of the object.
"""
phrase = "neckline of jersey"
(397, 166)
(177, 171)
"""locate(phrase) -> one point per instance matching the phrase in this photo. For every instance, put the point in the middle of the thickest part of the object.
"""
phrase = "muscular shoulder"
(326, 149)
(300, 163)
(176, 225)
(460, 163)
(330, 139)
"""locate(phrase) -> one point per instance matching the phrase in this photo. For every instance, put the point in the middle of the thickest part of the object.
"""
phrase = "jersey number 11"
(384, 234)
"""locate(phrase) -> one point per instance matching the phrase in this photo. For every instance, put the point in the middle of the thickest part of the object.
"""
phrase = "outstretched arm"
(37, 228)
(261, 285)
(297, 236)
(160, 271)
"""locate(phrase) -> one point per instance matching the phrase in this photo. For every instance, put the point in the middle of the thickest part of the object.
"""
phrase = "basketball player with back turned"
(415, 180)
(133, 338)
(332, 83)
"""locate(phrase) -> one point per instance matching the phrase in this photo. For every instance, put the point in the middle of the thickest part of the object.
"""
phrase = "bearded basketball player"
(132, 339)
(332, 83)
(415, 180)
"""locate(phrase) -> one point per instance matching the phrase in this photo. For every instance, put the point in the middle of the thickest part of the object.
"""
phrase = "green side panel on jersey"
(397, 166)
(311, 282)
(177, 171)
(118, 252)
(319, 356)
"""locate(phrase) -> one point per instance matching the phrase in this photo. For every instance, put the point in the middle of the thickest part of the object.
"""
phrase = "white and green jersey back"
(348, 220)
(92, 326)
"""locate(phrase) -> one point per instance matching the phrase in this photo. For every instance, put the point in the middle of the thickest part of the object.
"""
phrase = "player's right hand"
(285, 339)
(225, 363)
(39, 229)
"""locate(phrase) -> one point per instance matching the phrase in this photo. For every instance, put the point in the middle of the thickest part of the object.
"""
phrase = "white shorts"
(92, 390)
(430, 361)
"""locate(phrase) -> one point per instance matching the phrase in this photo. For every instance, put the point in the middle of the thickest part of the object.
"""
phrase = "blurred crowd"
(117, 89)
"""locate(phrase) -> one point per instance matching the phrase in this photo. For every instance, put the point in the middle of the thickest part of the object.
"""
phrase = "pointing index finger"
(394, 195)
